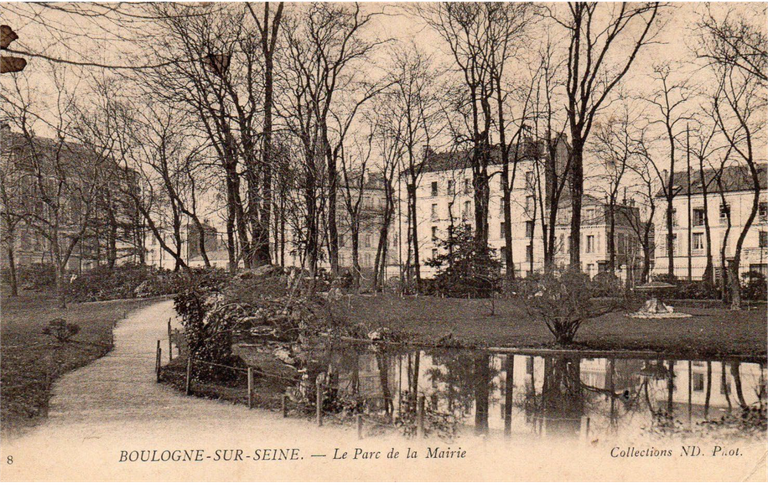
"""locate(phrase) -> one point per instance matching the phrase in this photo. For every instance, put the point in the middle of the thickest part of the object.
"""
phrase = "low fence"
(361, 421)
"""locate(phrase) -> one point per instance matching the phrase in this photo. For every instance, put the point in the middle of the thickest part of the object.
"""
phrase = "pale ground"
(115, 405)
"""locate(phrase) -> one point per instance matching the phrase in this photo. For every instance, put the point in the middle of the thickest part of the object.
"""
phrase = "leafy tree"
(465, 266)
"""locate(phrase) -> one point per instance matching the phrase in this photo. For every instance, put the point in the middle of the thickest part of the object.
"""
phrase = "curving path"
(115, 404)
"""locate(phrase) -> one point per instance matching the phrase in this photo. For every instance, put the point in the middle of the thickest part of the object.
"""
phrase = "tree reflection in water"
(547, 395)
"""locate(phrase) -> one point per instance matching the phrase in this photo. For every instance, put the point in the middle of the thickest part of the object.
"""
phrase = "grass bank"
(31, 361)
(711, 332)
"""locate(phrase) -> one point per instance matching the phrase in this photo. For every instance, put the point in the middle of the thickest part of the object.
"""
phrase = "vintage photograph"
(429, 241)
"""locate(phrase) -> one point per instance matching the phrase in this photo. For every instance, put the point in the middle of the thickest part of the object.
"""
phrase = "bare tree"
(481, 38)
(391, 147)
(413, 101)
(595, 32)
(670, 104)
(614, 148)
(11, 212)
(64, 179)
(703, 148)
(739, 109)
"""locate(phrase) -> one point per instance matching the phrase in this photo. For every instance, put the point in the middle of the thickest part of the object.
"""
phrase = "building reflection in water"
(542, 395)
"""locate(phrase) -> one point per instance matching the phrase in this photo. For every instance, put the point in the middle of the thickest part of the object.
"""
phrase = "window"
(434, 212)
(697, 244)
(725, 211)
(501, 208)
(698, 217)
(528, 253)
(674, 244)
(434, 233)
(759, 268)
(451, 187)
(763, 239)
(529, 203)
(674, 217)
(368, 240)
(698, 382)
(529, 181)
(529, 229)
(341, 240)
(501, 231)
(621, 244)
(467, 210)
(467, 186)
(529, 365)
(590, 244)
(589, 216)
(762, 211)
(434, 189)
(434, 253)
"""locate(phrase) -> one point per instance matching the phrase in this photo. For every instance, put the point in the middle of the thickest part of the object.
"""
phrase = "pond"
(549, 394)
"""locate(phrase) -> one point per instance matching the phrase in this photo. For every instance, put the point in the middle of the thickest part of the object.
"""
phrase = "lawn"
(31, 360)
(711, 332)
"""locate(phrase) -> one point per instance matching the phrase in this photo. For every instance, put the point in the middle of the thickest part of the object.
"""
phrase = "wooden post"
(284, 405)
(170, 342)
(585, 427)
(250, 387)
(158, 362)
(420, 417)
(319, 404)
(359, 426)
(188, 387)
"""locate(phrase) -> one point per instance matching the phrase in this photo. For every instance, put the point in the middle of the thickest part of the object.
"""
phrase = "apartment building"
(595, 236)
(445, 197)
(733, 203)
(36, 169)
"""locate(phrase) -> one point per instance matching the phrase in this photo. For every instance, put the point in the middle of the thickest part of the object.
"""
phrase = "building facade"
(689, 223)
(445, 197)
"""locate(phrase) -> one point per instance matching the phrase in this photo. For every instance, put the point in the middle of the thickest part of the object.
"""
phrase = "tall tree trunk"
(612, 236)
(414, 229)
(505, 191)
(709, 270)
(577, 192)
(111, 235)
(356, 270)
(12, 266)
(201, 241)
(333, 231)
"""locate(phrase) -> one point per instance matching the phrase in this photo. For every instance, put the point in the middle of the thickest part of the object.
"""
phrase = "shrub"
(59, 329)
(137, 281)
(754, 287)
(37, 276)
(565, 301)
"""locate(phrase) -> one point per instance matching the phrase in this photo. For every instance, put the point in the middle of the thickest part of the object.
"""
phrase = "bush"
(565, 301)
(34, 277)
(136, 281)
(754, 287)
(59, 329)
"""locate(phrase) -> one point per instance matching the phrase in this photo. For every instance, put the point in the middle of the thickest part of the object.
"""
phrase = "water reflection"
(541, 395)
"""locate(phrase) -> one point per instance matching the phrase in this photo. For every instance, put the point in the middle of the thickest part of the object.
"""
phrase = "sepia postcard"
(429, 241)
